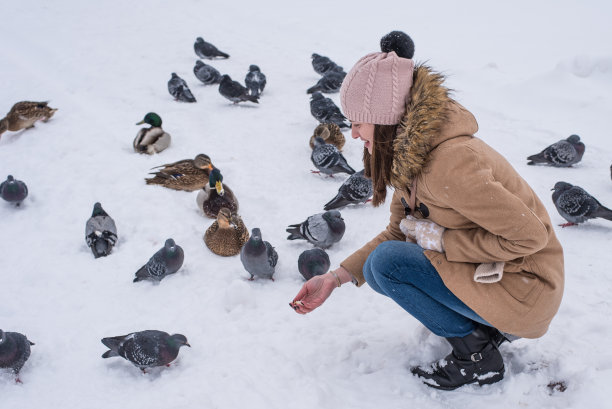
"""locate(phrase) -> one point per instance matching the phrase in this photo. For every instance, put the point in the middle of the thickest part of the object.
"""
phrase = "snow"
(531, 72)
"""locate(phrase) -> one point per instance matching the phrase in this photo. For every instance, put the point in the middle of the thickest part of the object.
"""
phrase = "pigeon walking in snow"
(328, 159)
(13, 190)
(564, 153)
(177, 87)
(14, 351)
(313, 262)
(322, 229)
(166, 261)
(209, 75)
(330, 82)
(145, 349)
(255, 80)
(576, 206)
(356, 189)
(207, 50)
(258, 256)
(100, 232)
(322, 64)
(234, 91)
(325, 111)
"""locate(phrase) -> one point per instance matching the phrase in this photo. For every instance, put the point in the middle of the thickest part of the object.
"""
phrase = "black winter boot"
(474, 358)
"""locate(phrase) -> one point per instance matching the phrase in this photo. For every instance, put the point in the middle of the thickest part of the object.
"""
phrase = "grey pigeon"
(322, 229)
(576, 206)
(561, 154)
(177, 87)
(207, 50)
(14, 351)
(255, 80)
(145, 349)
(356, 189)
(322, 64)
(258, 256)
(330, 82)
(209, 75)
(313, 262)
(328, 159)
(166, 261)
(234, 91)
(13, 190)
(100, 232)
(325, 111)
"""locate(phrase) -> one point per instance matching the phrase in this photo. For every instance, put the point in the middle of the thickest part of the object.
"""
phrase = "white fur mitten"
(489, 272)
(426, 233)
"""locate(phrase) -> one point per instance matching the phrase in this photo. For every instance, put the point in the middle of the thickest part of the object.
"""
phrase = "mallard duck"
(23, 115)
(215, 195)
(154, 139)
(330, 133)
(188, 174)
(226, 236)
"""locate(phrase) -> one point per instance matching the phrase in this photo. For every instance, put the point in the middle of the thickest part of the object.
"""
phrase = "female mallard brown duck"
(23, 115)
(226, 235)
(154, 139)
(330, 133)
(215, 195)
(188, 174)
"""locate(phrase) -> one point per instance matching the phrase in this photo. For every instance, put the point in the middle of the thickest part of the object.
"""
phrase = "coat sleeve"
(507, 227)
(354, 263)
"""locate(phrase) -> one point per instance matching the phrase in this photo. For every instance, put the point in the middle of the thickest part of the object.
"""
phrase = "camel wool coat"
(489, 211)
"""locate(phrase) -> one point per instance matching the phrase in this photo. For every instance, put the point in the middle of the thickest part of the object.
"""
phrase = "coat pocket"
(522, 286)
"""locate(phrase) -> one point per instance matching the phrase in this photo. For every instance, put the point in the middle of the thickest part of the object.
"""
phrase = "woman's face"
(365, 132)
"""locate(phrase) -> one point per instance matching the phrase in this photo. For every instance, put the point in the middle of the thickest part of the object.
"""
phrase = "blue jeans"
(401, 271)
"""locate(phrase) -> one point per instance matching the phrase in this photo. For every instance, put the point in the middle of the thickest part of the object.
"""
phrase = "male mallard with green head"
(226, 235)
(154, 139)
(215, 195)
(23, 115)
(188, 174)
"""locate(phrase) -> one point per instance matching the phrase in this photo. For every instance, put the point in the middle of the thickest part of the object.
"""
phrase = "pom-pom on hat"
(377, 89)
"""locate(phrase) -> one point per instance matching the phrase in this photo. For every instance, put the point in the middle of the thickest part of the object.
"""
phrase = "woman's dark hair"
(378, 164)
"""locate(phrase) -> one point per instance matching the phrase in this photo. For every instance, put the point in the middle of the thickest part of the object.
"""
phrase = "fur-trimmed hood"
(431, 118)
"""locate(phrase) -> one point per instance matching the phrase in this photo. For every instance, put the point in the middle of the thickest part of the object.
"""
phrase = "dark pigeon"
(330, 82)
(322, 229)
(14, 351)
(561, 154)
(576, 206)
(258, 256)
(206, 73)
(13, 190)
(356, 189)
(328, 159)
(177, 87)
(234, 91)
(325, 111)
(313, 262)
(166, 261)
(207, 50)
(255, 80)
(100, 232)
(146, 349)
(322, 64)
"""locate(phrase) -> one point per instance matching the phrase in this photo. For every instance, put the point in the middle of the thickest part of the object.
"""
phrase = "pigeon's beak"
(140, 123)
(187, 343)
(219, 187)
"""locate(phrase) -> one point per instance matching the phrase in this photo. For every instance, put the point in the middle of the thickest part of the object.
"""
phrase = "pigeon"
(166, 261)
(330, 82)
(322, 229)
(255, 80)
(14, 351)
(258, 256)
(207, 50)
(325, 111)
(313, 262)
(328, 159)
(234, 91)
(206, 73)
(100, 232)
(146, 349)
(13, 190)
(576, 206)
(322, 64)
(177, 87)
(356, 189)
(562, 154)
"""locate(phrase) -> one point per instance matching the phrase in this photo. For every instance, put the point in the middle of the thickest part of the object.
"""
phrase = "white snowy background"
(531, 72)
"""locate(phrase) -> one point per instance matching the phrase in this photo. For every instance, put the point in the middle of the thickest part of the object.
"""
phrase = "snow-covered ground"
(531, 72)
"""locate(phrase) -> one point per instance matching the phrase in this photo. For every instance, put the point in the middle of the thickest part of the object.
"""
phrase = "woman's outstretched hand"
(314, 293)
